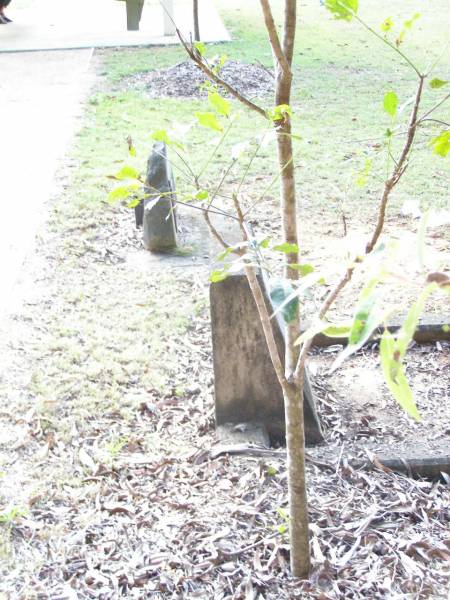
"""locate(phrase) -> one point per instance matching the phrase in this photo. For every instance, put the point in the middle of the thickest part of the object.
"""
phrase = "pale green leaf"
(209, 120)
(390, 103)
(219, 275)
(342, 9)
(387, 25)
(200, 47)
(127, 172)
(122, 192)
(202, 195)
(219, 104)
(363, 175)
(337, 331)
(367, 318)
(279, 113)
(436, 83)
(305, 269)
(160, 135)
(394, 375)
(441, 143)
(286, 248)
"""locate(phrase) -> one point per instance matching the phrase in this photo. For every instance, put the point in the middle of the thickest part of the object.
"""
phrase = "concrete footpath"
(40, 98)
(68, 24)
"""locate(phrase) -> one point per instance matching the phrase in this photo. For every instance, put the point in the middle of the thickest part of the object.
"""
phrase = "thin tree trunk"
(293, 387)
(298, 504)
(196, 21)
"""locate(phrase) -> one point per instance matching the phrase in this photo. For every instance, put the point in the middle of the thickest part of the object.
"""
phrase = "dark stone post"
(157, 212)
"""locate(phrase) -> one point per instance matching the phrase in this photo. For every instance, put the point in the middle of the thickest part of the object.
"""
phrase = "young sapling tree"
(212, 198)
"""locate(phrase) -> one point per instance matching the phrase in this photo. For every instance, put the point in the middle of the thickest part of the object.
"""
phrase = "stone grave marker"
(156, 213)
(246, 386)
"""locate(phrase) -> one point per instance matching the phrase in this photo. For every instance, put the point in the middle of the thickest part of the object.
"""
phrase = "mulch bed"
(185, 80)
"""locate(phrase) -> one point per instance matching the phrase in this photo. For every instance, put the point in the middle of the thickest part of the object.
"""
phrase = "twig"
(197, 59)
(399, 168)
(444, 99)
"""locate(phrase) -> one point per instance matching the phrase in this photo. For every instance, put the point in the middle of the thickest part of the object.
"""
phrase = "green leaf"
(302, 269)
(280, 294)
(394, 375)
(202, 195)
(219, 104)
(363, 175)
(406, 333)
(387, 25)
(200, 47)
(410, 22)
(286, 248)
(325, 328)
(342, 9)
(160, 135)
(367, 318)
(219, 275)
(337, 331)
(436, 83)
(390, 103)
(132, 150)
(278, 113)
(441, 143)
(127, 172)
(239, 246)
(209, 120)
(122, 192)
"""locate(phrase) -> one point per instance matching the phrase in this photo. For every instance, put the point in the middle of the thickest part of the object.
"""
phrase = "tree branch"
(266, 324)
(274, 39)
(399, 168)
(198, 60)
(444, 99)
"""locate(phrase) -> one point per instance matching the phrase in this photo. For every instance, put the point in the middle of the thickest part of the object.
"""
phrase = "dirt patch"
(185, 80)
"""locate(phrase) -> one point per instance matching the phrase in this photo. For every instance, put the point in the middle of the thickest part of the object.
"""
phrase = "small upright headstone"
(157, 212)
(245, 383)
